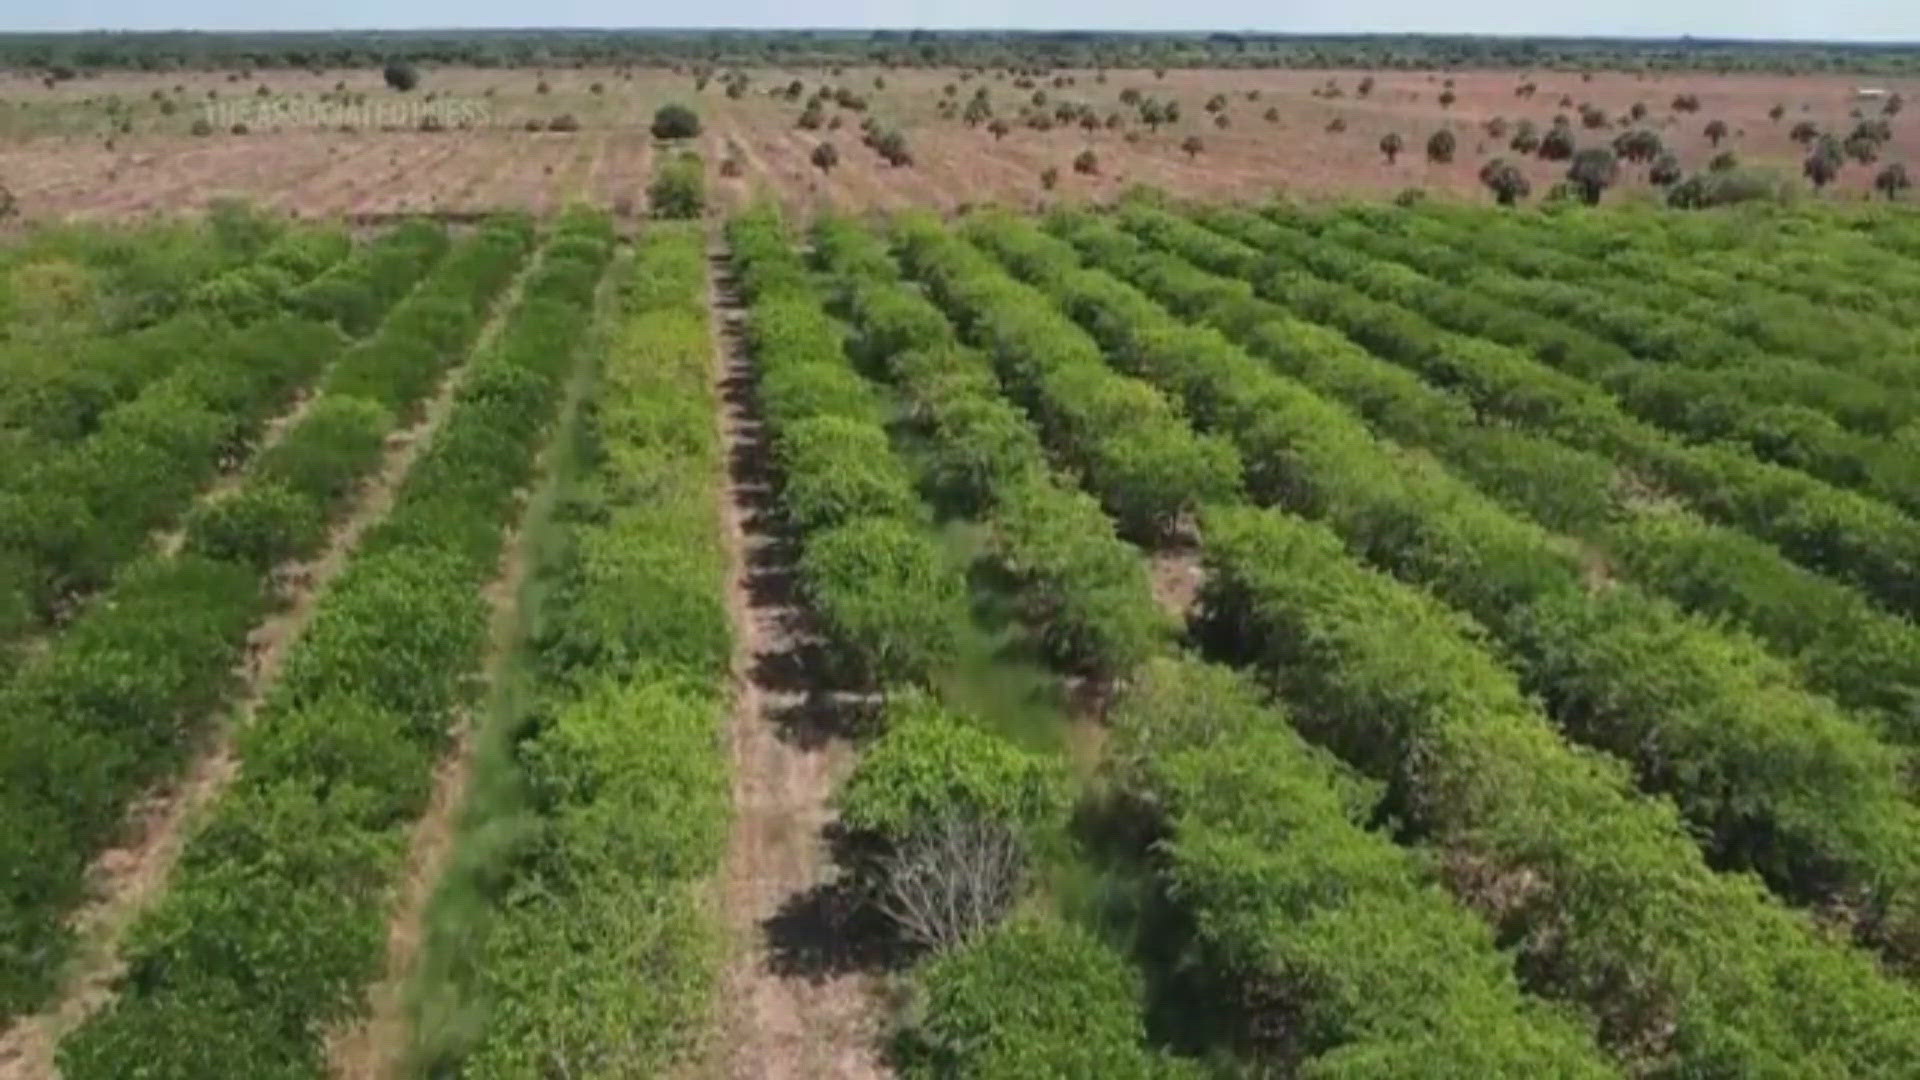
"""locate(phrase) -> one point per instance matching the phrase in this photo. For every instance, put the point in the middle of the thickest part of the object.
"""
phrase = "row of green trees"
(1725, 980)
(118, 698)
(869, 563)
(1738, 399)
(1841, 643)
(947, 813)
(571, 934)
(1856, 539)
(1653, 322)
(1801, 792)
(1081, 584)
(1128, 441)
(276, 917)
(1368, 920)
(119, 444)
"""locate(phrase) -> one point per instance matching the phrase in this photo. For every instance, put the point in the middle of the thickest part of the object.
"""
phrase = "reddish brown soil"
(60, 164)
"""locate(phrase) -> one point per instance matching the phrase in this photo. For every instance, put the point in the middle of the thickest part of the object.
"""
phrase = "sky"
(1849, 20)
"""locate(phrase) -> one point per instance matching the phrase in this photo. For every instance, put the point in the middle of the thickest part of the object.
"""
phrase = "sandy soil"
(797, 1005)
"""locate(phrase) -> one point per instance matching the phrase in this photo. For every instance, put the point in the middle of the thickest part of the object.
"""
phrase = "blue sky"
(1871, 20)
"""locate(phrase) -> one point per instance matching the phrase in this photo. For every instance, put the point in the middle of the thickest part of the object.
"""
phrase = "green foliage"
(258, 526)
(675, 121)
(679, 187)
(886, 591)
(276, 916)
(1031, 998)
(930, 764)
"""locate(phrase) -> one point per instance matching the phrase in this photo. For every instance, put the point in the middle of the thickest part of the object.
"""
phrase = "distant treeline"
(73, 54)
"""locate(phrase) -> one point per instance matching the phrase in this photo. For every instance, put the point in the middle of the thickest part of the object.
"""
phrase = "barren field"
(123, 143)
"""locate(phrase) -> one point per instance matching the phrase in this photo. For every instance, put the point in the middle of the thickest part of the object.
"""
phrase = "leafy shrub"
(886, 592)
(258, 526)
(1032, 998)
(679, 187)
(675, 121)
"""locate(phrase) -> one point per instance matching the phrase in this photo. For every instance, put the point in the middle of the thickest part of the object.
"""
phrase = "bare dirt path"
(798, 1002)
(126, 880)
(376, 1046)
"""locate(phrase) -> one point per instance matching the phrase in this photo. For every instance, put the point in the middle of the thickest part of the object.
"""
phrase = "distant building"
(1869, 93)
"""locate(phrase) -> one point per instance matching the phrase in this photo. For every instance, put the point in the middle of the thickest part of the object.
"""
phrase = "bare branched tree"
(952, 879)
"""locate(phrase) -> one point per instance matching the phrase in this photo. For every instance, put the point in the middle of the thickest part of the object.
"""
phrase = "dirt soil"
(798, 1000)
(1309, 133)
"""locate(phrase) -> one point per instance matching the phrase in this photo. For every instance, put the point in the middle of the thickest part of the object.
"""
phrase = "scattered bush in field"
(679, 188)
(1861, 149)
(1686, 103)
(1086, 163)
(675, 121)
(824, 157)
(1526, 139)
(1508, 184)
(1557, 144)
(1391, 144)
(401, 76)
(1665, 171)
(1728, 187)
(1715, 131)
(1592, 172)
(1192, 145)
(891, 145)
(1891, 181)
(1823, 164)
(1638, 146)
(1804, 132)
(565, 122)
(1447, 98)
(1440, 146)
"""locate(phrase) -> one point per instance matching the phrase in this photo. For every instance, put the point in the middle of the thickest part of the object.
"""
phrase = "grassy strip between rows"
(120, 697)
(1384, 970)
(71, 518)
(1605, 890)
(275, 920)
(571, 936)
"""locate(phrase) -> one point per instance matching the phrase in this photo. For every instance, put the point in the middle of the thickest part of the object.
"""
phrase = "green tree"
(1665, 171)
(1192, 145)
(1592, 172)
(1440, 146)
(675, 121)
(824, 157)
(1557, 144)
(1823, 163)
(401, 76)
(1715, 131)
(1391, 144)
(1508, 184)
(1890, 182)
